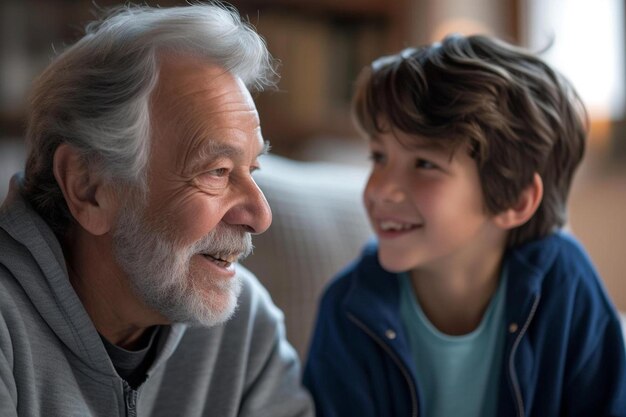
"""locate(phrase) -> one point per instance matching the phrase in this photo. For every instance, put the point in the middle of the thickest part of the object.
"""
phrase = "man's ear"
(91, 203)
(524, 208)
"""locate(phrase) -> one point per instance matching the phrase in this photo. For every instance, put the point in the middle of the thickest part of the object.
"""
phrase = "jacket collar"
(374, 295)
(527, 265)
(374, 300)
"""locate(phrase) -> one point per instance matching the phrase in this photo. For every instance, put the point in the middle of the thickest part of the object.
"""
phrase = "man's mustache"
(225, 242)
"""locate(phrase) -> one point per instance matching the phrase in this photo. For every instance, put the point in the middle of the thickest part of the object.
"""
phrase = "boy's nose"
(384, 189)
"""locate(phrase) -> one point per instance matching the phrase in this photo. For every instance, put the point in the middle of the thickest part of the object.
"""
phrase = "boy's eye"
(425, 164)
(376, 157)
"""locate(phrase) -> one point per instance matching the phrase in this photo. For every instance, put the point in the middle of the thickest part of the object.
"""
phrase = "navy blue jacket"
(564, 350)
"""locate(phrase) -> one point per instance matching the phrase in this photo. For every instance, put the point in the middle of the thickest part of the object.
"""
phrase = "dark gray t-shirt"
(132, 365)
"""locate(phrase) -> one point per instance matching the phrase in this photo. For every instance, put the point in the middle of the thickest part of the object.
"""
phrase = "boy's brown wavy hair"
(517, 116)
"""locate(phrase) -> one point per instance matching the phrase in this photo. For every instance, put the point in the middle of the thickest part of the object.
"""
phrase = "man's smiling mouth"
(221, 260)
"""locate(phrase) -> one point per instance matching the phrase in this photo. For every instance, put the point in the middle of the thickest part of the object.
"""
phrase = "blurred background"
(322, 45)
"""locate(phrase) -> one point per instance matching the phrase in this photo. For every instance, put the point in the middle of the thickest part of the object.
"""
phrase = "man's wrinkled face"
(179, 246)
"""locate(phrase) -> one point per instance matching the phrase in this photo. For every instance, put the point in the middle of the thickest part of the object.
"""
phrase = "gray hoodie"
(53, 362)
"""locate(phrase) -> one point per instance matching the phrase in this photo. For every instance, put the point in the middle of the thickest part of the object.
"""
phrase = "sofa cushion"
(319, 226)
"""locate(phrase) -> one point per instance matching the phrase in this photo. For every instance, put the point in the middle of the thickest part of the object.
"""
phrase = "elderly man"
(119, 289)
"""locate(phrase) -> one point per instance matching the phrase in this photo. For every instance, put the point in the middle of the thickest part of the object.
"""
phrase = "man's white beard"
(160, 273)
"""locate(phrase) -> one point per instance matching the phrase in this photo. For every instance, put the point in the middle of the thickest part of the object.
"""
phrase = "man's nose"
(251, 209)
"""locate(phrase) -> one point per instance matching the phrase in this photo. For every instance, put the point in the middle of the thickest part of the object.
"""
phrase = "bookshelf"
(322, 45)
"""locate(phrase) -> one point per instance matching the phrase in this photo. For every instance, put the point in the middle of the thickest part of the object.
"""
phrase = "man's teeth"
(390, 225)
(228, 259)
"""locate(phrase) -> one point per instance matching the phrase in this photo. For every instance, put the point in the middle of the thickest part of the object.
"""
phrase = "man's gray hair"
(95, 95)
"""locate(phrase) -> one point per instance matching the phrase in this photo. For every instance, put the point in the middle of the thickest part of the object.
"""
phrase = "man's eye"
(213, 179)
(425, 164)
(219, 172)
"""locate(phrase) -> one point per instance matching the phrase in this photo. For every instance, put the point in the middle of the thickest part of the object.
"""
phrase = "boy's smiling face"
(426, 206)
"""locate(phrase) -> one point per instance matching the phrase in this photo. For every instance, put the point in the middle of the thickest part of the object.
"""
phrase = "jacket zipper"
(130, 397)
(396, 360)
(517, 392)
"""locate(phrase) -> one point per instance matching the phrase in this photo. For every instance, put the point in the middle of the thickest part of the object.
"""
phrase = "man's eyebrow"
(212, 150)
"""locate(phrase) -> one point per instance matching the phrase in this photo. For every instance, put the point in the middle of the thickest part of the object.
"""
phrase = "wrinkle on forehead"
(217, 132)
(196, 106)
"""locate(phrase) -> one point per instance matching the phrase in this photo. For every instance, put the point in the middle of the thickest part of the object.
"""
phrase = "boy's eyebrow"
(376, 139)
(418, 144)
(430, 146)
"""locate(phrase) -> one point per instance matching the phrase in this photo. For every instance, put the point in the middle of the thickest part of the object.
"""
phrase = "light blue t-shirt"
(457, 375)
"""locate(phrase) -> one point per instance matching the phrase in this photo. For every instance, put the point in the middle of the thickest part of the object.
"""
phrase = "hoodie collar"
(42, 273)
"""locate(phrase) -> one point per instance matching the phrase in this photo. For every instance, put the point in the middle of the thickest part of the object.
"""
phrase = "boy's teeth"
(388, 225)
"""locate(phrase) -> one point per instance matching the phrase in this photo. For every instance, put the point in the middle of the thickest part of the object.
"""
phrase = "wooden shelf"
(351, 8)
(321, 44)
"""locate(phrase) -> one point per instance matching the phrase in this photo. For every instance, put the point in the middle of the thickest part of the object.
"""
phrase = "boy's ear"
(524, 208)
(91, 203)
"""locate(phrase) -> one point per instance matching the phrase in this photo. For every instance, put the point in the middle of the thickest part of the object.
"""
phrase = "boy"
(471, 301)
